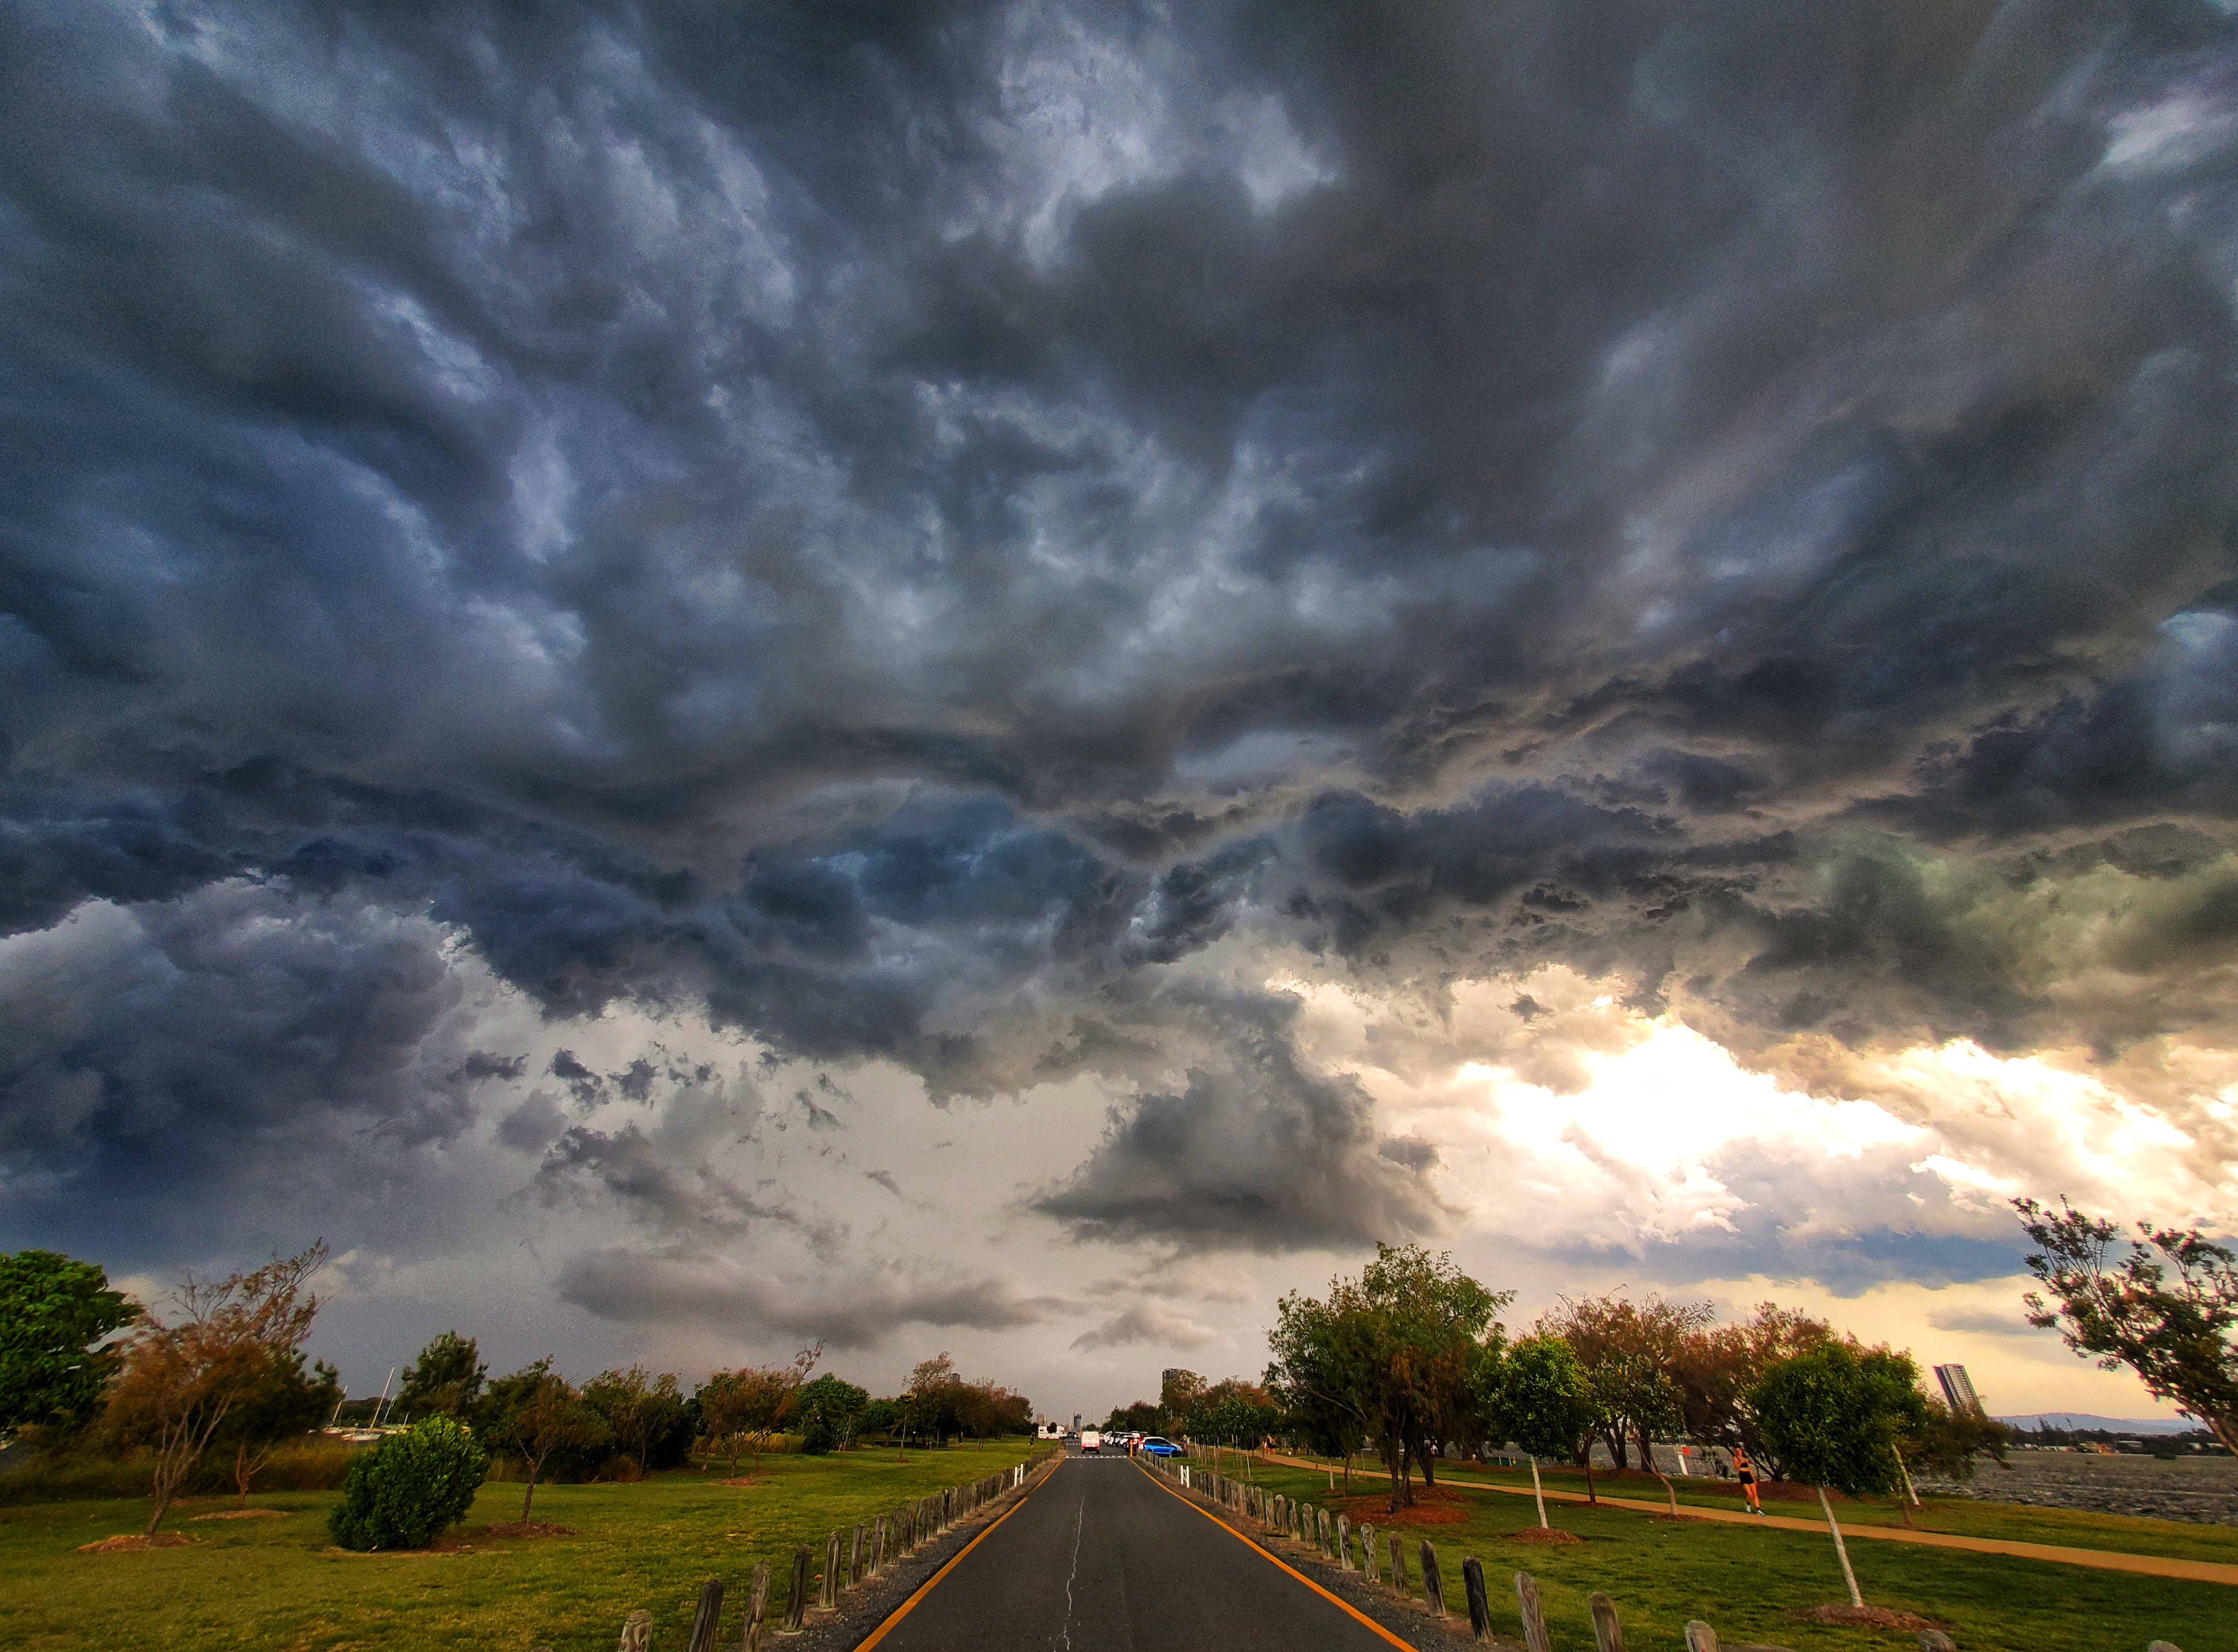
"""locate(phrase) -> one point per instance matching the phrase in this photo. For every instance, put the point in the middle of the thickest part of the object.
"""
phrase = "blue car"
(1155, 1447)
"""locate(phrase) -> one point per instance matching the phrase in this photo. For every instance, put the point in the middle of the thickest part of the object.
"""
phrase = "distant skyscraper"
(1168, 1374)
(1958, 1390)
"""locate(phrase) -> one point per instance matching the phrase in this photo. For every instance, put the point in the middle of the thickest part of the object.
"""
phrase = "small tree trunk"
(1906, 1473)
(1593, 1494)
(242, 1471)
(1841, 1549)
(1537, 1491)
(529, 1496)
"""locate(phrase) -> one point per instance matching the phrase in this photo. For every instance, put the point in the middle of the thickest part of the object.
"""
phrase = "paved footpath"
(2114, 1560)
(1100, 1557)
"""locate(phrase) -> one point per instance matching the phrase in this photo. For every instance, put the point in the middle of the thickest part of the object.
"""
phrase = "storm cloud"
(600, 602)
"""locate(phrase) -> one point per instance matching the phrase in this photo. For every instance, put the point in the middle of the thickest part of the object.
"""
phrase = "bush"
(408, 1490)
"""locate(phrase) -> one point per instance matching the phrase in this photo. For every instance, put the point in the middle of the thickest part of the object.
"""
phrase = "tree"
(537, 1414)
(643, 1412)
(1177, 1396)
(1638, 1336)
(55, 1312)
(180, 1380)
(880, 1419)
(828, 1408)
(742, 1408)
(1717, 1365)
(1394, 1350)
(1542, 1395)
(1632, 1388)
(283, 1404)
(2177, 1336)
(1142, 1415)
(1237, 1414)
(1835, 1416)
(929, 1405)
(1948, 1442)
(446, 1377)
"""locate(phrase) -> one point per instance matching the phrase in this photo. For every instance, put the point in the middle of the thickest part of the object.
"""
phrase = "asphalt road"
(1101, 1558)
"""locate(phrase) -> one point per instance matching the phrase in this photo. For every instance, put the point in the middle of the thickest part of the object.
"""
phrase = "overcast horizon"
(1003, 678)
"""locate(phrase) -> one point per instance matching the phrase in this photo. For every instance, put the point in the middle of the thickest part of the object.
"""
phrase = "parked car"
(1154, 1446)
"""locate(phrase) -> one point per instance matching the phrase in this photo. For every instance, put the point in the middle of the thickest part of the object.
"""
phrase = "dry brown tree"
(181, 1378)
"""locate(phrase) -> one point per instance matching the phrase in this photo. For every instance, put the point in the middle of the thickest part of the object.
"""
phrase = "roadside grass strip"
(280, 1584)
(1755, 1582)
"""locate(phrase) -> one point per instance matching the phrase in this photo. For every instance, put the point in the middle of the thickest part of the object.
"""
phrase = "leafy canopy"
(2175, 1334)
(54, 1312)
(1835, 1415)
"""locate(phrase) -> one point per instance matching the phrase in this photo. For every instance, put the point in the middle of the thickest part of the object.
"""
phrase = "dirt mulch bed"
(749, 1479)
(518, 1528)
(136, 1541)
(1868, 1617)
(244, 1514)
(1544, 1535)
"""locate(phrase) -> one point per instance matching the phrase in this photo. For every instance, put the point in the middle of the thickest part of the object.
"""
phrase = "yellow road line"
(1341, 1604)
(925, 1588)
(2111, 1560)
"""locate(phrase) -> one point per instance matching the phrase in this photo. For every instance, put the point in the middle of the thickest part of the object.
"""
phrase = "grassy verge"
(1964, 1517)
(277, 1584)
(1752, 1583)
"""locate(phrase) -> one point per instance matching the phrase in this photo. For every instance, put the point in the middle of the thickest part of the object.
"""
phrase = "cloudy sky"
(1004, 677)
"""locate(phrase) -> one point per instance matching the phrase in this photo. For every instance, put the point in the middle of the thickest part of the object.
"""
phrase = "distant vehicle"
(1155, 1447)
(1091, 1441)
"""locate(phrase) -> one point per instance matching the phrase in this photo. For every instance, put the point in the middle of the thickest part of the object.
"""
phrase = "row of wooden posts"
(1353, 1548)
(850, 1559)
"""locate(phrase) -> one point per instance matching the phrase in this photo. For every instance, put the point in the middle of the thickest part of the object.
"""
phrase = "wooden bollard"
(757, 1603)
(1433, 1587)
(831, 1552)
(1535, 1620)
(1608, 1634)
(1700, 1637)
(1937, 1641)
(796, 1607)
(637, 1631)
(1398, 1565)
(856, 1545)
(878, 1545)
(1367, 1552)
(709, 1614)
(1344, 1541)
(1321, 1531)
(1479, 1605)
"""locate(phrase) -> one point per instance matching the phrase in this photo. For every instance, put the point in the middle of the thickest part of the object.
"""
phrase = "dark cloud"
(1268, 1156)
(636, 1287)
(908, 536)
(235, 1061)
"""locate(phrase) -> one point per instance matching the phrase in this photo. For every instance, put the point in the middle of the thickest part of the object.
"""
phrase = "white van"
(1091, 1441)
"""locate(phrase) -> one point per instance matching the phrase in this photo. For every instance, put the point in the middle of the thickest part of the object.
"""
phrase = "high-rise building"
(1958, 1390)
(1169, 1373)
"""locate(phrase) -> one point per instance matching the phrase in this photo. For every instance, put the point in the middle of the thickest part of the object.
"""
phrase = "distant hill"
(2109, 1424)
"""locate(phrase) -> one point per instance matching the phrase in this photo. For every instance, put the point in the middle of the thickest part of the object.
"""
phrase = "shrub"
(408, 1490)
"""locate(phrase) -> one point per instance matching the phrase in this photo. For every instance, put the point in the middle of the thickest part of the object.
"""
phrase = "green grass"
(1750, 1583)
(278, 1583)
(1966, 1517)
